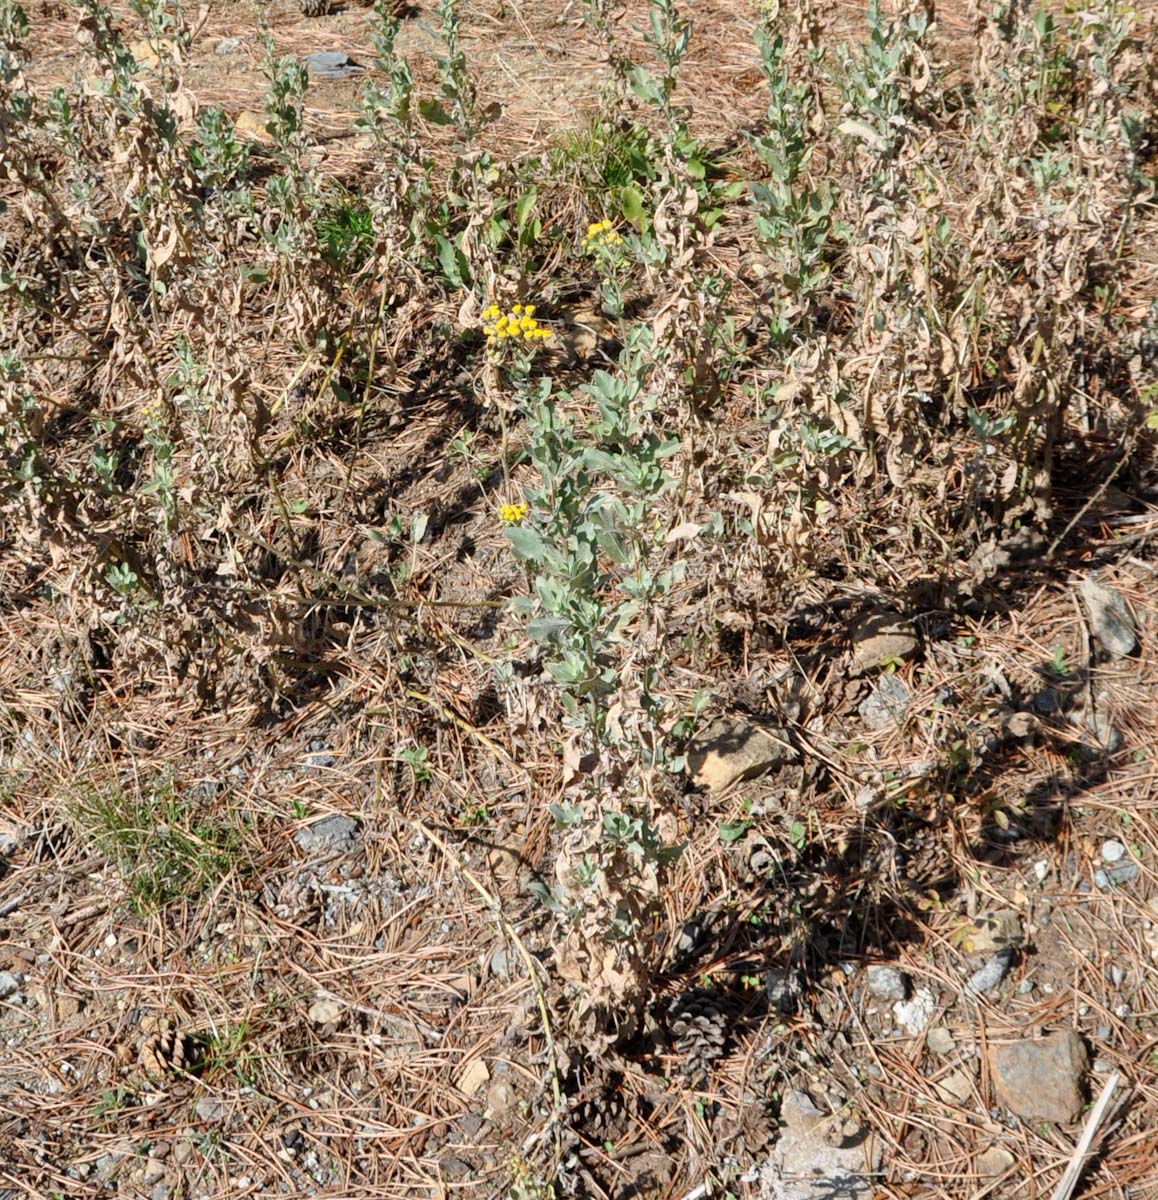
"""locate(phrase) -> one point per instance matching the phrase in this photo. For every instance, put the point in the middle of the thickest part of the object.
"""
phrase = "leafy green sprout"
(416, 758)
(345, 230)
(798, 836)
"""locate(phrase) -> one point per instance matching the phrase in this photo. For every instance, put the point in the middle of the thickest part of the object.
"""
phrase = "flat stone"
(1112, 851)
(993, 931)
(940, 1041)
(730, 750)
(209, 1109)
(886, 704)
(154, 1171)
(1110, 618)
(253, 125)
(816, 1156)
(1041, 1080)
(887, 983)
(956, 1087)
(332, 834)
(472, 1077)
(331, 64)
(10, 984)
(993, 1161)
(881, 639)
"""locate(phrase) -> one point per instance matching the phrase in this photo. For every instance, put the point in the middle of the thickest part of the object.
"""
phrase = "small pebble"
(887, 983)
(1025, 987)
(229, 45)
(1112, 851)
(1102, 1033)
(1123, 872)
(992, 973)
(1117, 976)
(154, 1171)
(9, 984)
(1041, 869)
(940, 1040)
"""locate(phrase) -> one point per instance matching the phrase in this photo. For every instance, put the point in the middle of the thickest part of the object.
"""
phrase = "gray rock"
(882, 638)
(1040, 1080)
(940, 1040)
(229, 45)
(729, 750)
(1117, 875)
(500, 963)
(1110, 618)
(1025, 987)
(154, 1171)
(914, 1015)
(1108, 737)
(10, 983)
(333, 834)
(817, 1156)
(331, 64)
(108, 1166)
(887, 983)
(992, 973)
(886, 704)
(1112, 851)
(209, 1109)
(781, 987)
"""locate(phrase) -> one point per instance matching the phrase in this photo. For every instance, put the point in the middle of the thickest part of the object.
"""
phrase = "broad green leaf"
(433, 112)
(631, 205)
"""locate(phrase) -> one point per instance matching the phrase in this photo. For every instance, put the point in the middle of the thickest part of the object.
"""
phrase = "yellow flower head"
(512, 514)
(518, 324)
(601, 234)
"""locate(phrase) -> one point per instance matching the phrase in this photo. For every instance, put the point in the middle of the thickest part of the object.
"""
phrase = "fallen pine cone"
(165, 1050)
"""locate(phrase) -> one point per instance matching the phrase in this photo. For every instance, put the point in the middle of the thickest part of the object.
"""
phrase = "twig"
(1069, 1180)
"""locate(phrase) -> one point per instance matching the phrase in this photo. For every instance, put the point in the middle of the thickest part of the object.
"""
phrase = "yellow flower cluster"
(601, 233)
(517, 325)
(512, 514)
